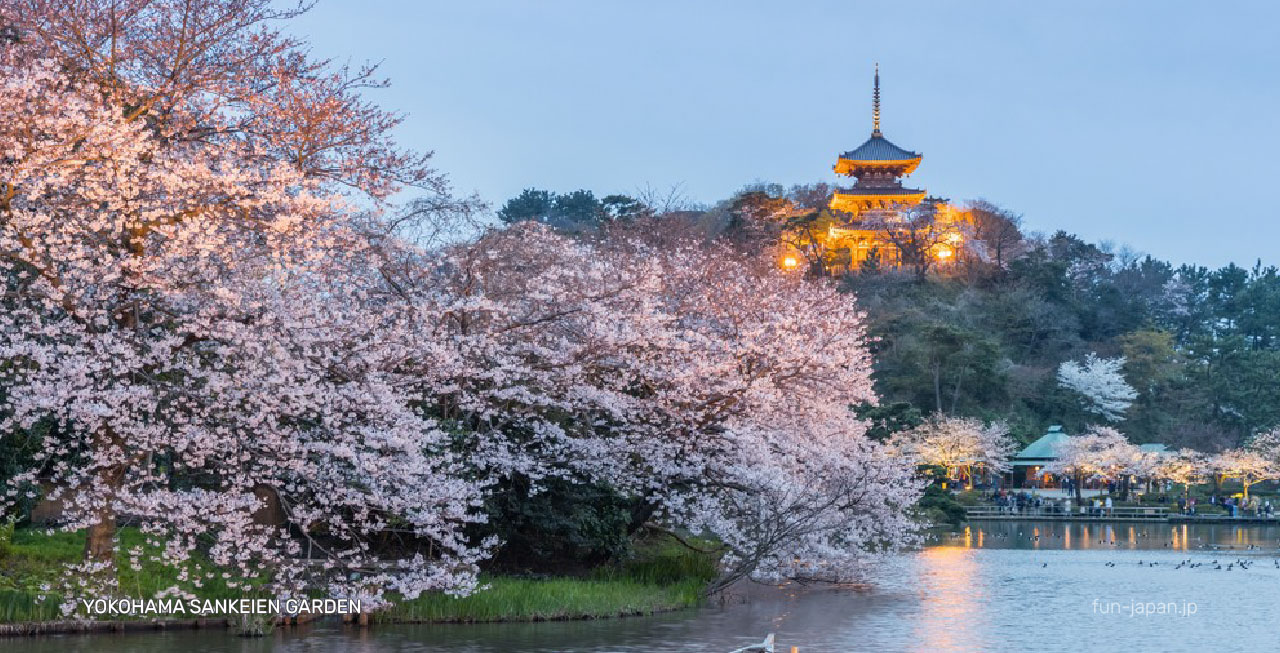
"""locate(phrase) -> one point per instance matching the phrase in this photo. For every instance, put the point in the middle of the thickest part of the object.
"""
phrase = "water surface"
(994, 586)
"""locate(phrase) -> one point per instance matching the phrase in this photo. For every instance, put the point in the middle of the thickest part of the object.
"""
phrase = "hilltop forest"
(985, 337)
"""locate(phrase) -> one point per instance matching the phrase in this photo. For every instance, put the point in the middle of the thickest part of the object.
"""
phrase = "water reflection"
(1105, 536)
(993, 586)
(951, 614)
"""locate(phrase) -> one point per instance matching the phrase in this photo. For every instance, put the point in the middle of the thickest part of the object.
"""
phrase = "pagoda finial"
(875, 102)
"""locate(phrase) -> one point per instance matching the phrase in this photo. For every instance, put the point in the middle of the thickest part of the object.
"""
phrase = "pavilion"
(1029, 464)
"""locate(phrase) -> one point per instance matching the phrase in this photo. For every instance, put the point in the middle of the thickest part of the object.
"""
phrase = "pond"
(994, 585)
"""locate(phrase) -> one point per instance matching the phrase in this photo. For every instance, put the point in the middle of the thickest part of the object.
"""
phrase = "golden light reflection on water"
(951, 614)
(1111, 535)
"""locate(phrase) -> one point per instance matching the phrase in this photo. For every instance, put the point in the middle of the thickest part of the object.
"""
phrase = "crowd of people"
(1022, 501)
(1235, 506)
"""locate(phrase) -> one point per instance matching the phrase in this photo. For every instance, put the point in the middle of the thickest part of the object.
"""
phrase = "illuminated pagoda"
(868, 219)
(878, 165)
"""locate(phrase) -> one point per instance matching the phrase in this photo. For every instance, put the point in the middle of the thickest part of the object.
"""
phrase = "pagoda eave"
(856, 202)
(898, 167)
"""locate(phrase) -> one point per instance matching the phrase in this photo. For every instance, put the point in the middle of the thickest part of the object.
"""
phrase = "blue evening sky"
(1152, 124)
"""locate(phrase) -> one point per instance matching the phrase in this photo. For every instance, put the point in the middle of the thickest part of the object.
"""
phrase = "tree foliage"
(1101, 384)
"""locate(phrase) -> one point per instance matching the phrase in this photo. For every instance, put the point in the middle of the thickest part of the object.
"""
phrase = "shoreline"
(1169, 519)
(89, 627)
(362, 620)
(658, 577)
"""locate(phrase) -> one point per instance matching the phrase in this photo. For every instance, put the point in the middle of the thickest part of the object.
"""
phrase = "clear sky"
(1152, 124)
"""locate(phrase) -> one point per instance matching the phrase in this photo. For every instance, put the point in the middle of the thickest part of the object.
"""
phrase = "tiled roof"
(878, 148)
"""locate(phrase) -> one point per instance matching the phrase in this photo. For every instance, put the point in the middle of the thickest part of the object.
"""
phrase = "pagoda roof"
(879, 149)
(879, 191)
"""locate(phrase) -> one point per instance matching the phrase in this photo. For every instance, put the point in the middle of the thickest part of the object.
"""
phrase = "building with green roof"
(1028, 465)
(1029, 462)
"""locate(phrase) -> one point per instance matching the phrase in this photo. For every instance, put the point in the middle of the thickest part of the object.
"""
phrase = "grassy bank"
(659, 576)
(521, 599)
(32, 560)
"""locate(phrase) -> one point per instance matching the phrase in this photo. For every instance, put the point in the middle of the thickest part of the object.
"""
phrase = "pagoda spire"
(875, 103)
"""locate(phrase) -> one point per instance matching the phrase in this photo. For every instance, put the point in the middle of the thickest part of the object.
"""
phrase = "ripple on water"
(986, 588)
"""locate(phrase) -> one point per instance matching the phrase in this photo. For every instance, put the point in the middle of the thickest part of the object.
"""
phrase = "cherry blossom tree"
(190, 302)
(958, 444)
(1102, 452)
(1123, 462)
(1101, 383)
(1145, 465)
(1186, 466)
(1247, 466)
(207, 297)
(1266, 444)
(713, 389)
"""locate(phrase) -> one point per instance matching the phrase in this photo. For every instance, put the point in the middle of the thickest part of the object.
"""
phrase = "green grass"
(660, 575)
(19, 606)
(32, 558)
(518, 599)
(663, 561)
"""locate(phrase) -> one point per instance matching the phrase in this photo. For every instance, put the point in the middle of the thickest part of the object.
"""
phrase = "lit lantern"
(790, 262)
(944, 253)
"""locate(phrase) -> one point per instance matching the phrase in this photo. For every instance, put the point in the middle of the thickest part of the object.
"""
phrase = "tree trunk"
(99, 544)
(1077, 480)
(955, 393)
(271, 512)
(937, 387)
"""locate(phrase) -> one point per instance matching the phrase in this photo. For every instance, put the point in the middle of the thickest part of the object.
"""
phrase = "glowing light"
(790, 262)
(944, 253)
(955, 238)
